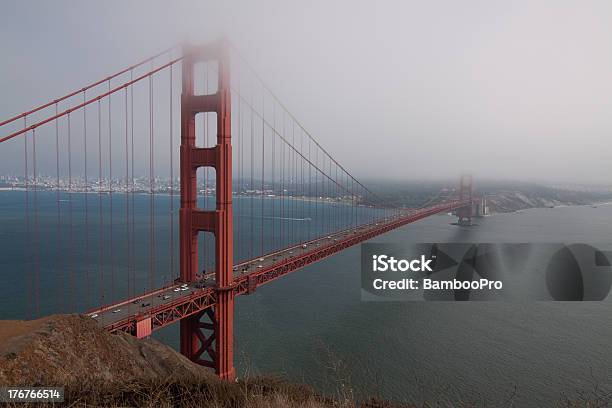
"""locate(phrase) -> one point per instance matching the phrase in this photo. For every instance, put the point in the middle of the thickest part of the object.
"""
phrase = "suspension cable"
(85, 88)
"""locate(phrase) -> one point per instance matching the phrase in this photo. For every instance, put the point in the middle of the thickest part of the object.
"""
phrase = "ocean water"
(312, 325)
(494, 353)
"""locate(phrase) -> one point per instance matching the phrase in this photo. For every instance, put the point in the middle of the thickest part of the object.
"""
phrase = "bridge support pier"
(198, 337)
(207, 337)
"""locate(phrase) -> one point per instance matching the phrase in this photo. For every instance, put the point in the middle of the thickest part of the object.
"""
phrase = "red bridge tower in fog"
(213, 325)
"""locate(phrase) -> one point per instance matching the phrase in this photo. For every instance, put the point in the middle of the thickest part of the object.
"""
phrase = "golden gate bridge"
(247, 171)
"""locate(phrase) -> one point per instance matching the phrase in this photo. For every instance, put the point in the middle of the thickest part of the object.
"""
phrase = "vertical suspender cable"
(302, 216)
(332, 194)
(239, 153)
(205, 142)
(335, 217)
(28, 258)
(251, 185)
(323, 195)
(100, 219)
(236, 203)
(274, 246)
(263, 145)
(295, 193)
(332, 207)
(340, 207)
(350, 205)
(70, 219)
(326, 206)
(86, 183)
(310, 215)
(133, 195)
(171, 182)
(347, 223)
(292, 184)
(282, 200)
(353, 205)
(110, 199)
(242, 184)
(339, 211)
(58, 255)
(295, 187)
(36, 238)
(342, 199)
(318, 230)
(236, 173)
(127, 189)
(151, 190)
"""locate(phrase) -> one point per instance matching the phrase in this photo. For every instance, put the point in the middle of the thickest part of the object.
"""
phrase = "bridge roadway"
(172, 303)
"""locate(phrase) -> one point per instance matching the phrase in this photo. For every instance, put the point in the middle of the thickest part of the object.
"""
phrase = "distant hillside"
(507, 201)
(536, 196)
(502, 196)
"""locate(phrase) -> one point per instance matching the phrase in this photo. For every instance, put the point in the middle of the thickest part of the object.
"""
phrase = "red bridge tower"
(207, 337)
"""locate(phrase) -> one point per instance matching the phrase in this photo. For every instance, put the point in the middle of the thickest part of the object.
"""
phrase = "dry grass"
(257, 393)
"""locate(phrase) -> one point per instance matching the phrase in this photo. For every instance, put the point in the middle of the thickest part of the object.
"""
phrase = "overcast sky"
(404, 89)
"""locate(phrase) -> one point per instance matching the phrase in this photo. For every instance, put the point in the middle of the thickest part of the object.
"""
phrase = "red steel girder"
(169, 313)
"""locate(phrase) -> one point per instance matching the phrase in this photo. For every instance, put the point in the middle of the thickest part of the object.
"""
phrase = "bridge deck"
(170, 304)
